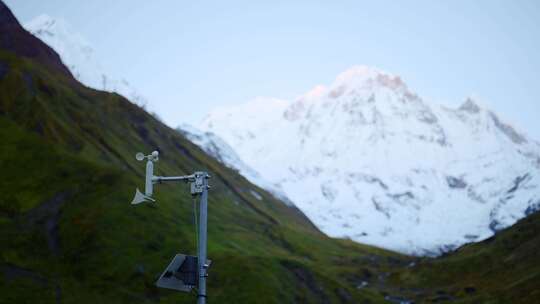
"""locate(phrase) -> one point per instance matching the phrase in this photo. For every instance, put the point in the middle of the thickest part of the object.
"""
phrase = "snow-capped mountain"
(368, 159)
(214, 146)
(79, 57)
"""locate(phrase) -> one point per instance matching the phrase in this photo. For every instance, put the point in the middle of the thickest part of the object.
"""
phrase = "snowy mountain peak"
(359, 92)
(470, 106)
(315, 93)
(41, 22)
(50, 25)
(57, 31)
(365, 158)
(357, 75)
(79, 56)
(365, 77)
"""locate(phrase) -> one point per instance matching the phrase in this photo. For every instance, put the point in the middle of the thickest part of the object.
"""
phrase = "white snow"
(220, 150)
(366, 158)
(78, 55)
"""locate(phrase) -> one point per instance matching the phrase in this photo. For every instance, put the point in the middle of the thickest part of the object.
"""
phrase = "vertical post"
(148, 186)
(202, 266)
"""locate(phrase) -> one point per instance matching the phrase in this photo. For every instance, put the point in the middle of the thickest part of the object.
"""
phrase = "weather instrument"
(185, 272)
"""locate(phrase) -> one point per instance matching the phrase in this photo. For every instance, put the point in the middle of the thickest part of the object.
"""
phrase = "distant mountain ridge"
(17, 40)
(220, 150)
(79, 56)
(367, 158)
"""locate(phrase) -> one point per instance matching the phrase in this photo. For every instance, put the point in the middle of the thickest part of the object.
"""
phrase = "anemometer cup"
(154, 156)
(148, 181)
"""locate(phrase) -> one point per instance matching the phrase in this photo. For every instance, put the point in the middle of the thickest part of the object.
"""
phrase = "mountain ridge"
(80, 57)
(390, 152)
(15, 38)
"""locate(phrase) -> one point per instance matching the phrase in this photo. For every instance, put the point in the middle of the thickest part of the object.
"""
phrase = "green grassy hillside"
(502, 269)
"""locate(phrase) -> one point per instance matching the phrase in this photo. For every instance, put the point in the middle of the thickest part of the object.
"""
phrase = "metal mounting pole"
(201, 296)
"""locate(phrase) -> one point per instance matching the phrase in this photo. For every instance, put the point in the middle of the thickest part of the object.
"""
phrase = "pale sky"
(188, 57)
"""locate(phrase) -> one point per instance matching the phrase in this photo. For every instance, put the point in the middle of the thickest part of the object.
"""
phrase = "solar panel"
(181, 274)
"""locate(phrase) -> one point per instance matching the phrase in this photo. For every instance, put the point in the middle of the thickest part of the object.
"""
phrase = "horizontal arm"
(158, 179)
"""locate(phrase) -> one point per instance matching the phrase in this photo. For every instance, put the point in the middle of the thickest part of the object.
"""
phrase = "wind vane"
(185, 272)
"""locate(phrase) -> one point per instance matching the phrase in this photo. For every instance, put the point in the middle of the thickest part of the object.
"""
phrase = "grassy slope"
(68, 232)
(502, 269)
